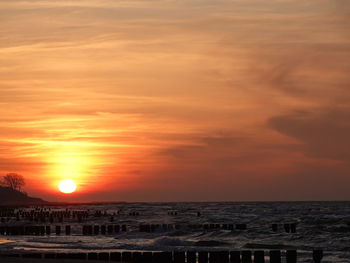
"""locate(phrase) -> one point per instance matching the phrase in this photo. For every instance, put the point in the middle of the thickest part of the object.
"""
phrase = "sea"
(319, 225)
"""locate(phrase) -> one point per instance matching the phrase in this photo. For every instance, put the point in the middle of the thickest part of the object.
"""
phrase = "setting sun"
(67, 186)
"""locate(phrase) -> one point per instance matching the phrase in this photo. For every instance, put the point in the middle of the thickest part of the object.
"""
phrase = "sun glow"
(67, 186)
(74, 161)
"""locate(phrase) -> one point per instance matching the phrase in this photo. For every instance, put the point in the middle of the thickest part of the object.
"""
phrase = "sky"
(177, 100)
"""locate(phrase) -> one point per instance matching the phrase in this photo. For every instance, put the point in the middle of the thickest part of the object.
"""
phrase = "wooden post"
(274, 227)
(110, 229)
(203, 257)
(126, 257)
(241, 226)
(103, 256)
(21, 230)
(81, 256)
(89, 230)
(32, 255)
(291, 256)
(96, 230)
(61, 256)
(92, 256)
(275, 256)
(293, 228)
(235, 257)
(116, 256)
(162, 257)
(68, 230)
(191, 256)
(58, 230)
(246, 256)
(42, 230)
(219, 257)
(50, 256)
(103, 230)
(48, 230)
(147, 257)
(317, 255)
(179, 257)
(259, 256)
(37, 230)
(137, 257)
(287, 228)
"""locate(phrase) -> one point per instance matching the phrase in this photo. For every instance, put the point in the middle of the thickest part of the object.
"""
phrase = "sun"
(67, 186)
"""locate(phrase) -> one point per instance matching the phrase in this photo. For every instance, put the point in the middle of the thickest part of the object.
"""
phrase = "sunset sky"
(177, 100)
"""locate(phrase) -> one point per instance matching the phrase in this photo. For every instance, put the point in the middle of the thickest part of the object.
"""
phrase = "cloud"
(324, 133)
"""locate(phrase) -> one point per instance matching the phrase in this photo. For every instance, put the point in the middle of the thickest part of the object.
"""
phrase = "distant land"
(9, 196)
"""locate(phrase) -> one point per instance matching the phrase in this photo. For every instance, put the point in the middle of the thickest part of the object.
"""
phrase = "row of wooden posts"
(79, 218)
(46, 213)
(43, 215)
(46, 230)
(289, 228)
(112, 229)
(103, 229)
(155, 227)
(245, 256)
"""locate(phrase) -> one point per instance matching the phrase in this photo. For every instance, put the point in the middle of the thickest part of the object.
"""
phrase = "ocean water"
(320, 225)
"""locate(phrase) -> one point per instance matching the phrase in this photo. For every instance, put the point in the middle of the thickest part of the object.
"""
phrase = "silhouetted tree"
(13, 180)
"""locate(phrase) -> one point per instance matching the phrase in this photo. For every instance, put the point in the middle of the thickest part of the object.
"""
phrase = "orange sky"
(165, 100)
